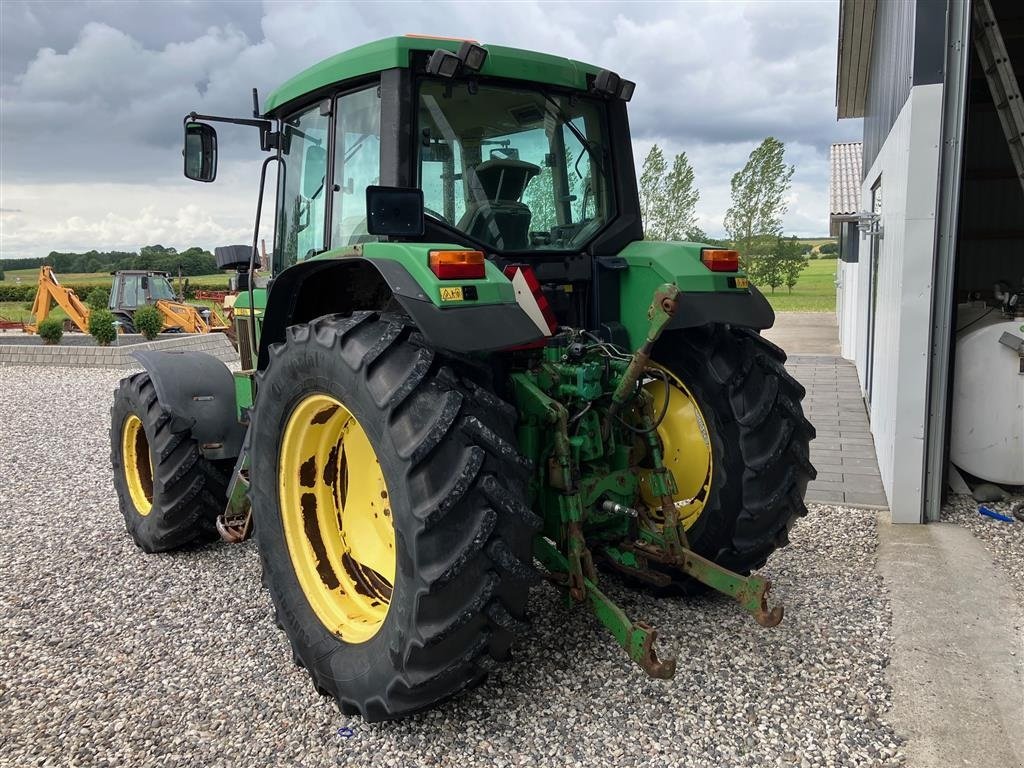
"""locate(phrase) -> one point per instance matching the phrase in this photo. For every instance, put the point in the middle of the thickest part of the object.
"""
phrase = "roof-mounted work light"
(472, 56)
(443, 63)
(607, 83)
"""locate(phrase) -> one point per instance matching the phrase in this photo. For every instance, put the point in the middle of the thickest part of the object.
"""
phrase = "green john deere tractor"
(467, 372)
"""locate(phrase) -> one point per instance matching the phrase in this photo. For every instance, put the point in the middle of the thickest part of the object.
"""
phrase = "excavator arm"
(50, 292)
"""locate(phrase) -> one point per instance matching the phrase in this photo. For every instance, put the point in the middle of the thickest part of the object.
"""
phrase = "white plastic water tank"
(987, 435)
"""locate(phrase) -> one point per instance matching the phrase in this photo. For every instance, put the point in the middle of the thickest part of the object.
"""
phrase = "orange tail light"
(458, 265)
(718, 260)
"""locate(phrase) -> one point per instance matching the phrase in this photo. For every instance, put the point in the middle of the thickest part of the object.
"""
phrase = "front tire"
(169, 494)
(443, 452)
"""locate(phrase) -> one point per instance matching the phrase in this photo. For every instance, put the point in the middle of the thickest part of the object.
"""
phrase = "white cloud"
(93, 106)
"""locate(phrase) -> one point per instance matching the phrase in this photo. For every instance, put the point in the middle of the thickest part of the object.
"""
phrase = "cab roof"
(392, 52)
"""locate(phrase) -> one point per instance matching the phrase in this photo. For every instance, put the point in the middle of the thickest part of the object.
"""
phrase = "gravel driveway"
(112, 657)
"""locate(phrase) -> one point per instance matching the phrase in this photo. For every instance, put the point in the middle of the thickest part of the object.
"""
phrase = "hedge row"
(22, 292)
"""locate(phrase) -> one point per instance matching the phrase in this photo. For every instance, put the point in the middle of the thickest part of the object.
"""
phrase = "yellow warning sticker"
(452, 294)
(742, 282)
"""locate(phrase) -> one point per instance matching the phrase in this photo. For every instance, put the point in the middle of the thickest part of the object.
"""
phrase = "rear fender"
(348, 284)
(197, 391)
(705, 297)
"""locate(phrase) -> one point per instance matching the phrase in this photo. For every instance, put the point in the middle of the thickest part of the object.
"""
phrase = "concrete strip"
(958, 659)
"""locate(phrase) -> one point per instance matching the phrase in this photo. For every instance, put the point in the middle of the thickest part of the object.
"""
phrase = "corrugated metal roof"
(845, 178)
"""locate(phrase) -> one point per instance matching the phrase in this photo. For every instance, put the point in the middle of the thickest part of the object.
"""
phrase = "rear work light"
(458, 265)
(718, 260)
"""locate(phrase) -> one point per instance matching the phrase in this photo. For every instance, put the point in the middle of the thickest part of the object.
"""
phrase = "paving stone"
(863, 497)
(824, 496)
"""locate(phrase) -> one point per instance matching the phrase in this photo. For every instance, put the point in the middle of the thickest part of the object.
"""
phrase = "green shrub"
(830, 255)
(813, 255)
(16, 292)
(148, 321)
(51, 330)
(829, 248)
(101, 326)
(98, 297)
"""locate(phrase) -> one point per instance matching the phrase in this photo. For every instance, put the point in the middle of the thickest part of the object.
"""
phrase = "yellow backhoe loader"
(130, 290)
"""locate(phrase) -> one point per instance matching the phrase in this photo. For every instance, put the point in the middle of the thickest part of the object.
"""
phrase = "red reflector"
(458, 265)
(538, 294)
(718, 260)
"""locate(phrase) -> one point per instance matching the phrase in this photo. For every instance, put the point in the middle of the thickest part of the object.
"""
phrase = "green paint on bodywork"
(495, 288)
(653, 263)
(393, 52)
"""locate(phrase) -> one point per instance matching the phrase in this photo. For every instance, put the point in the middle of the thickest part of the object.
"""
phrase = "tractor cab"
(132, 289)
(536, 163)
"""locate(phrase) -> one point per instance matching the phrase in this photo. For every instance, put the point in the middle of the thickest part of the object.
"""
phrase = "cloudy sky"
(92, 95)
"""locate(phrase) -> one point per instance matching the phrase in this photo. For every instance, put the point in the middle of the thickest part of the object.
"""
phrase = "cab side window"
(302, 195)
(356, 164)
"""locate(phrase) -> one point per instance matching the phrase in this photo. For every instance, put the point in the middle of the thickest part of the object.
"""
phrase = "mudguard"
(322, 286)
(198, 392)
(748, 310)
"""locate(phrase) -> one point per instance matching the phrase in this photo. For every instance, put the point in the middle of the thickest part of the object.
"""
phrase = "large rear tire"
(169, 494)
(758, 437)
(390, 615)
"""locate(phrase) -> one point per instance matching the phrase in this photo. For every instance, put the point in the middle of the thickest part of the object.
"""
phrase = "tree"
(763, 270)
(668, 198)
(676, 211)
(781, 264)
(652, 177)
(758, 196)
(792, 261)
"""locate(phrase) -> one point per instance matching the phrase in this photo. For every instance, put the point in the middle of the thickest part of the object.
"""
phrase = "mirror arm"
(269, 139)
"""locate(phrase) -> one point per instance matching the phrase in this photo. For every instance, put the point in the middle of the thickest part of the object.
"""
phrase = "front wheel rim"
(340, 534)
(138, 464)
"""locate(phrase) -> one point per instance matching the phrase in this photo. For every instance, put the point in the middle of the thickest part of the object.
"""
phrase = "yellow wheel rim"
(336, 513)
(138, 464)
(687, 451)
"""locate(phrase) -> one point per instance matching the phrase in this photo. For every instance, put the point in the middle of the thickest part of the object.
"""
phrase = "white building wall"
(846, 303)
(908, 168)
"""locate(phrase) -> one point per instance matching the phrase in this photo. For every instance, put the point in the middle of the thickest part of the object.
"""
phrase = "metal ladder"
(1002, 82)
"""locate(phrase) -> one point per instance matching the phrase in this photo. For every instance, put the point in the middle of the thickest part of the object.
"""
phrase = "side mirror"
(200, 152)
(394, 211)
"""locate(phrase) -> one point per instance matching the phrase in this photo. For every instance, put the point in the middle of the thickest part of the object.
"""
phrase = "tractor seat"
(496, 216)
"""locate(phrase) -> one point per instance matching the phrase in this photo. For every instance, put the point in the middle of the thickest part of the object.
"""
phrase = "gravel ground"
(1005, 541)
(112, 657)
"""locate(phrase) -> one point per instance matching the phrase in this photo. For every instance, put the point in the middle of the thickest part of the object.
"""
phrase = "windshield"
(516, 169)
(160, 288)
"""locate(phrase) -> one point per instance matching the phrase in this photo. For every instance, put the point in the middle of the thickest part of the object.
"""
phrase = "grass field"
(815, 291)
